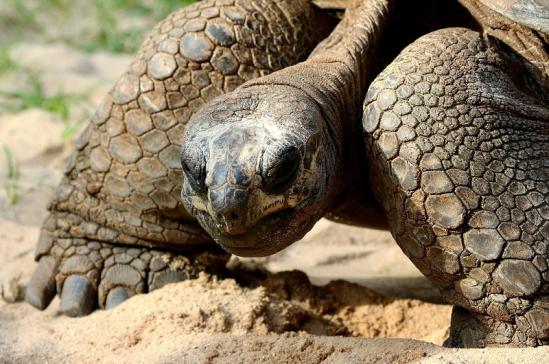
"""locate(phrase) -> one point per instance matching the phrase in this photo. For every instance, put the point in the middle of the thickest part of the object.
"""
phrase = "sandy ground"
(383, 312)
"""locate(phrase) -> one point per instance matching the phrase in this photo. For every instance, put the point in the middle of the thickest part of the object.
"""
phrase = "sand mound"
(209, 320)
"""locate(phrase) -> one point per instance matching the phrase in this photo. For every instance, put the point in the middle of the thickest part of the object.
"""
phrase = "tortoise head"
(258, 165)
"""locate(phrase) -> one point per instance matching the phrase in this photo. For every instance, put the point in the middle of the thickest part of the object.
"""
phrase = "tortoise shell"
(531, 13)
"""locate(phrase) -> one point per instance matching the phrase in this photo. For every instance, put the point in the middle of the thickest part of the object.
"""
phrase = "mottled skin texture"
(446, 143)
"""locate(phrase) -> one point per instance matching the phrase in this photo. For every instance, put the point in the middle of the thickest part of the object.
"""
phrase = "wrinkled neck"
(346, 59)
(338, 71)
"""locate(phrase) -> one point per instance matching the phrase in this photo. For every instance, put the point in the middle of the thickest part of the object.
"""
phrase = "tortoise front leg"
(120, 196)
(85, 272)
(457, 133)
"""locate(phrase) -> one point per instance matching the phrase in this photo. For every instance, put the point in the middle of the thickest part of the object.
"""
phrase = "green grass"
(110, 37)
(22, 14)
(87, 24)
(11, 185)
(34, 97)
(70, 128)
(158, 9)
(6, 63)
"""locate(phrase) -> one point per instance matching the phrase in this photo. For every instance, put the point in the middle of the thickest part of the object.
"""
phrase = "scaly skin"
(459, 146)
(457, 133)
(120, 196)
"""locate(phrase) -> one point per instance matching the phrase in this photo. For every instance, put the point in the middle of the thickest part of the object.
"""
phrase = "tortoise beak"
(229, 209)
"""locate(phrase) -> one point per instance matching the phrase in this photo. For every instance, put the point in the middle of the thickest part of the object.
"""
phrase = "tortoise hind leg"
(473, 330)
(467, 331)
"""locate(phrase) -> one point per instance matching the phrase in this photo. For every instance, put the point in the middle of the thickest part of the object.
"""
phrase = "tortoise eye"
(194, 168)
(281, 170)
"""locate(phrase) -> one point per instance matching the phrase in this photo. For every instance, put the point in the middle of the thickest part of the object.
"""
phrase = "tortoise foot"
(88, 274)
(473, 330)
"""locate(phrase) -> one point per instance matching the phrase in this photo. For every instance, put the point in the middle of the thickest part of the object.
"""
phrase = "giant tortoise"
(429, 118)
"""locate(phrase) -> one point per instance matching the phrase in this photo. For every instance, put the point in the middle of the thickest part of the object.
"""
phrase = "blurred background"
(117, 26)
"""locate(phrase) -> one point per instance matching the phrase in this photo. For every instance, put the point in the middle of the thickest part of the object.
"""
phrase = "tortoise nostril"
(233, 216)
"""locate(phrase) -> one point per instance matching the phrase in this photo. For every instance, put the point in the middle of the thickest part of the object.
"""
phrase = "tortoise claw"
(122, 281)
(78, 296)
(116, 297)
(41, 289)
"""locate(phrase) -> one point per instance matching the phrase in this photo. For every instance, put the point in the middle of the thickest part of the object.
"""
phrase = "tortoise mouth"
(269, 235)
